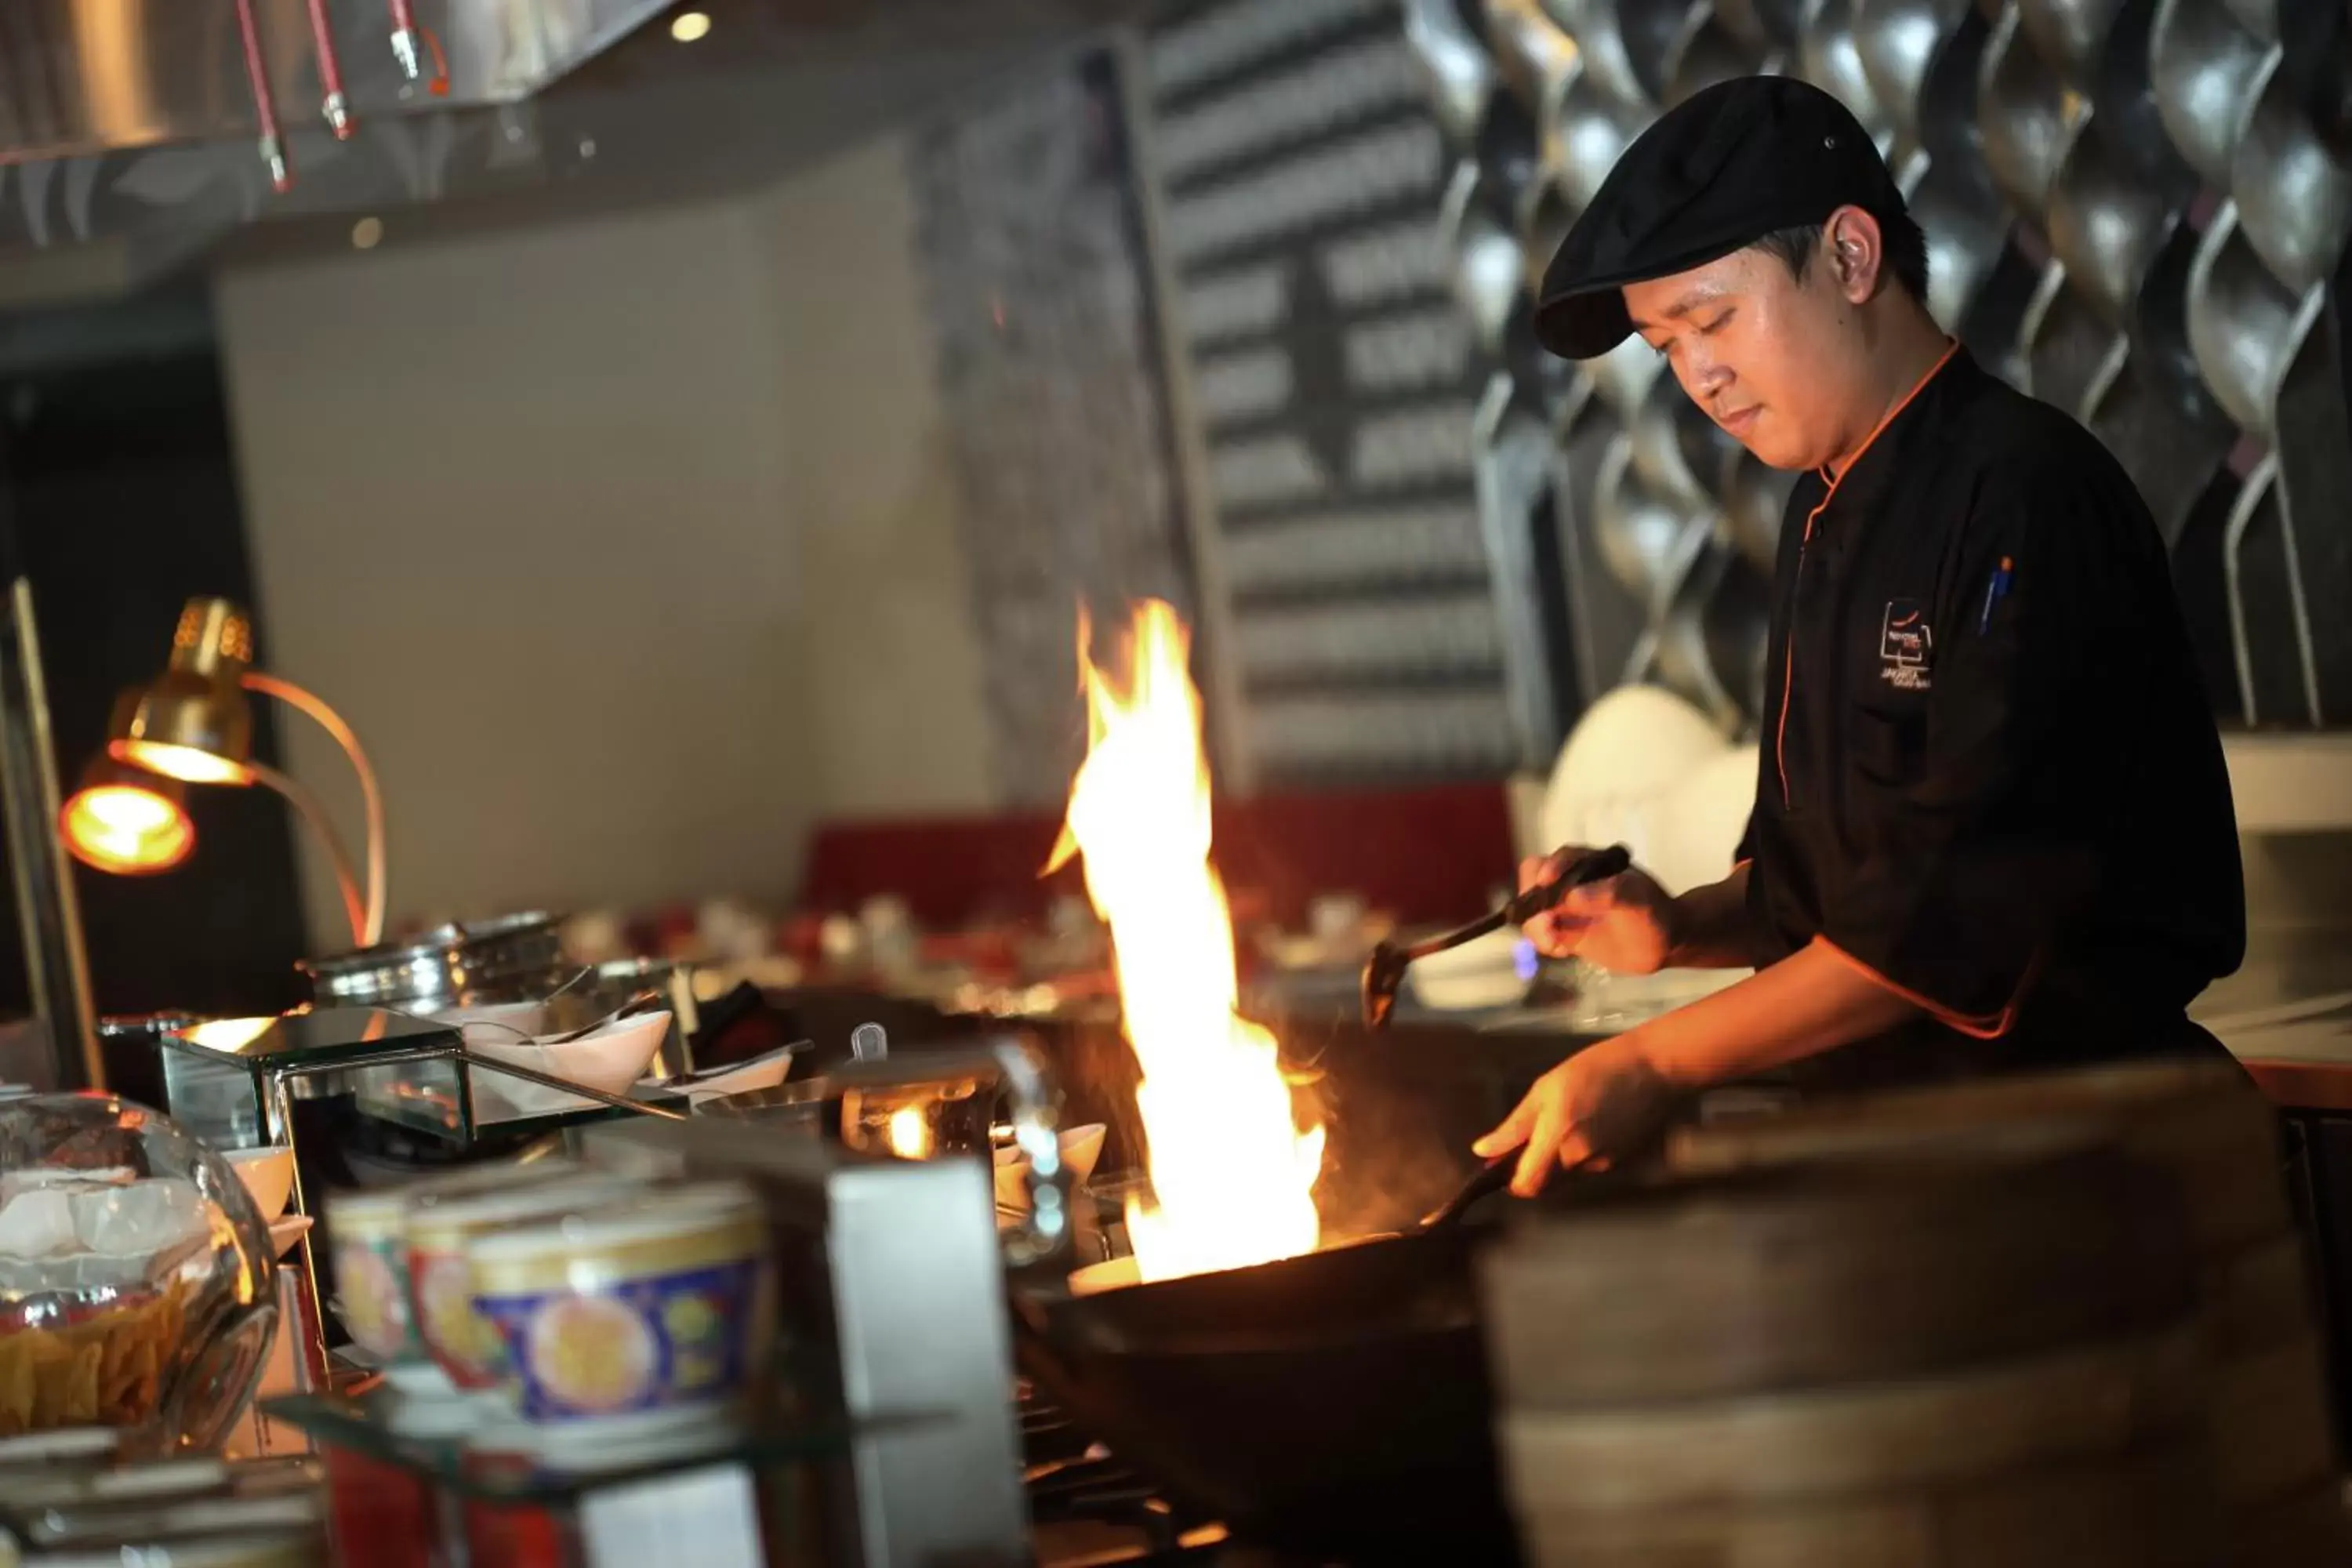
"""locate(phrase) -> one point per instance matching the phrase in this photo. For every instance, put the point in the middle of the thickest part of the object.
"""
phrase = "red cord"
(403, 21)
(334, 105)
(440, 88)
(265, 111)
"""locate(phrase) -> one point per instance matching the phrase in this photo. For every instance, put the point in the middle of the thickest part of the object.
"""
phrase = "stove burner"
(1088, 1509)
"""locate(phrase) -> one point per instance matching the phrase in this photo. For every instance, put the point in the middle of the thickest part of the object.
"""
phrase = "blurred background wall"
(627, 543)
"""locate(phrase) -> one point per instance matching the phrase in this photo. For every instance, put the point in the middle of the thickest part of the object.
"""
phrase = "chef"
(1992, 828)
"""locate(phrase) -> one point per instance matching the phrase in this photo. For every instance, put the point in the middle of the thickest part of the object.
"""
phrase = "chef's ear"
(1857, 251)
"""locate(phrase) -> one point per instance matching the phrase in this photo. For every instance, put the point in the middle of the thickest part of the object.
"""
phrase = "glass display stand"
(492, 1462)
(743, 1496)
(232, 1082)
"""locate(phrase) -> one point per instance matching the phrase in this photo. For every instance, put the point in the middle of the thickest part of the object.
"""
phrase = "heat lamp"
(193, 725)
(126, 821)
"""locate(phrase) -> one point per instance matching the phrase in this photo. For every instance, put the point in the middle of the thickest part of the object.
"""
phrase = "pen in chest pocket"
(1995, 592)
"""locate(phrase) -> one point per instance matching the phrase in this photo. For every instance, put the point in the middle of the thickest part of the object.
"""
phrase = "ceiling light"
(688, 25)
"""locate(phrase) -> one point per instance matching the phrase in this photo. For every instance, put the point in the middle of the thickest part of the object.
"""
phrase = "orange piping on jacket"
(1789, 648)
(1982, 1026)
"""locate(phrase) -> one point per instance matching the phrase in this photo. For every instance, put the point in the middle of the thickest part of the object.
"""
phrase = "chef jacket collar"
(1871, 473)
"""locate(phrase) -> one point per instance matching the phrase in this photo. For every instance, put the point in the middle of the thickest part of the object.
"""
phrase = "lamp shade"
(127, 822)
(194, 723)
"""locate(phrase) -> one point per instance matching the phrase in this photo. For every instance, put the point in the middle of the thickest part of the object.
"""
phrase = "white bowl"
(287, 1230)
(507, 1022)
(1477, 975)
(1081, 1147)
(764, 1071)
(268, 1175)
(609, 1059)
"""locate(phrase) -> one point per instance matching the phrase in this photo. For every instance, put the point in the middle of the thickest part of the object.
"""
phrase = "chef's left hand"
(1600, 1104)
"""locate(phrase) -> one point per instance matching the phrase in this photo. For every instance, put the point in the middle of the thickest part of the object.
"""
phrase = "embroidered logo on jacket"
(1905, 646)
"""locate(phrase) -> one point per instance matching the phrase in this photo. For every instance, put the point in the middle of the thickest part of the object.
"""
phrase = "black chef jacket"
(1989, 775)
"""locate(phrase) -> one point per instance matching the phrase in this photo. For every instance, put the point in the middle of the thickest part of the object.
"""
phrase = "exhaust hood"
(135, 134)
(81, 77)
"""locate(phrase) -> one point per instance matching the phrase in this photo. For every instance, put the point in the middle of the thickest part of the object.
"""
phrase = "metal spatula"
(1384, 971)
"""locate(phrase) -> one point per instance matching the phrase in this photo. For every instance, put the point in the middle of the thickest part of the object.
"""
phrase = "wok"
(1589, 129)
(2026, 116)
(2293, 190)
(1708, 55)
(2108, 223)
(1828, 57)
(1755, 497)
(2244, 325)
(1459, 73)
(1334, 1406)
(1488, 266)
(2206, 73)
(1647, 538)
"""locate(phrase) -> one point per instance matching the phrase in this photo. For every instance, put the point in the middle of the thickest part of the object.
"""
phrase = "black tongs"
(1384, 971)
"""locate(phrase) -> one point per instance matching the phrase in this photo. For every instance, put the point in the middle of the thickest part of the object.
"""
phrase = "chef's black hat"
(1716, 172)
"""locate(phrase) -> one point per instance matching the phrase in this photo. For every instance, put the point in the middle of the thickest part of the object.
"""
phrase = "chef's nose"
(1703, 375)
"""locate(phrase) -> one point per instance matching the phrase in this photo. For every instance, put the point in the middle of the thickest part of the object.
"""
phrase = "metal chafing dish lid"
(449, 957)
(432, 944)
(497, 928)
(143, 1026)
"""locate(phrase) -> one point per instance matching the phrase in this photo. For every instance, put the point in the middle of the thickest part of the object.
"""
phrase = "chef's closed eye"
(1704, 329)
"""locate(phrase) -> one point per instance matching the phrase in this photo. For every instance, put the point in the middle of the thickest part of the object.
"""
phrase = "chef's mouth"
(1741, 422)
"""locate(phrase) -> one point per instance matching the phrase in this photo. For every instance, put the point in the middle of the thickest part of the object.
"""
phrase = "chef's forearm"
(1808, 1002)
(1710, 927)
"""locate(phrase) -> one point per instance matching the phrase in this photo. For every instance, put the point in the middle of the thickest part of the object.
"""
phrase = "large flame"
(1232, 1174)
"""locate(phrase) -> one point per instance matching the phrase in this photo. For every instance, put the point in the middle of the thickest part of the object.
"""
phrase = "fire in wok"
(1330, 1402)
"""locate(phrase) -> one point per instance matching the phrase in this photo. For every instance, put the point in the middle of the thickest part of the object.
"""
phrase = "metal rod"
(305, 805)
(370, 796)
(278, 1109)
(333, 106)
(2250, 495)
(548, 1080)
(404, 41)
(271, 145)
(1509, 476)
(48, 915)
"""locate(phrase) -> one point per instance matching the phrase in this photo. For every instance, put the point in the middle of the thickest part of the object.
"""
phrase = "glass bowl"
(138, 1289)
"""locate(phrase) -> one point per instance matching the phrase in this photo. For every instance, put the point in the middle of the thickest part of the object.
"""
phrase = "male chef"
(1992, 828)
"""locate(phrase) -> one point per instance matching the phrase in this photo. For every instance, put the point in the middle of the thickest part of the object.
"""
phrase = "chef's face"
(1772, 359)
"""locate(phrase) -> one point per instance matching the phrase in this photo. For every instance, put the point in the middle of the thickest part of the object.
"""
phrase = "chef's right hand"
(1624, 924)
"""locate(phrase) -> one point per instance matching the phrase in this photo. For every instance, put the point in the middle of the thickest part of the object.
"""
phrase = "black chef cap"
(1716, 172)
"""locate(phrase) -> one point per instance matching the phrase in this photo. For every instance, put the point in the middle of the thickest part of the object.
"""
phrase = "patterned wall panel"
(1299, 172)
(1037, 279)
(2135, 209)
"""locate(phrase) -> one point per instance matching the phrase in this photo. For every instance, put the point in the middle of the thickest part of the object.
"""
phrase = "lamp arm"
(305, 805)
(368, 922)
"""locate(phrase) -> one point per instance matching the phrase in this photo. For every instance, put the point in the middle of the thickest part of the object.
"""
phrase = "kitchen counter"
(2286, 1013)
